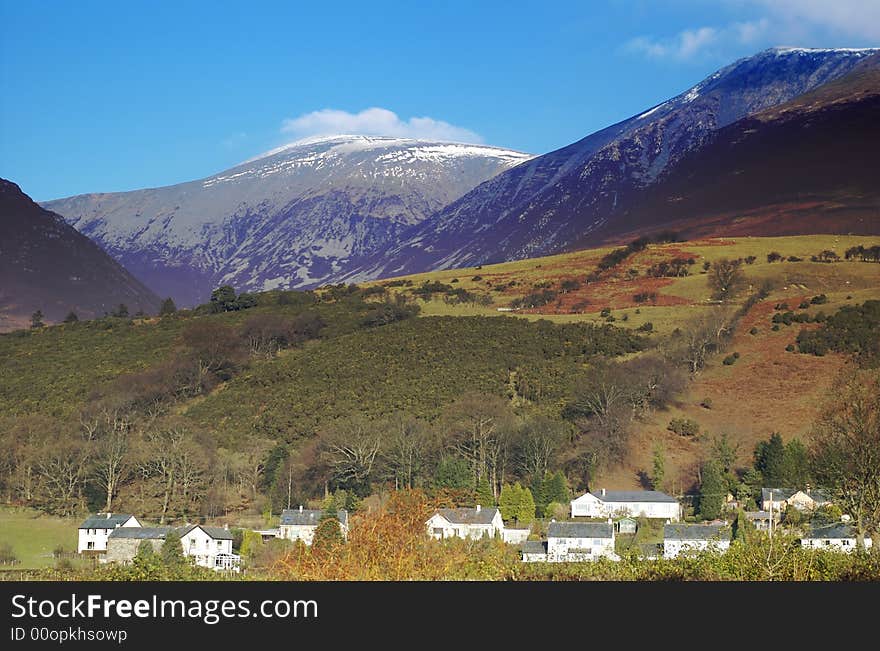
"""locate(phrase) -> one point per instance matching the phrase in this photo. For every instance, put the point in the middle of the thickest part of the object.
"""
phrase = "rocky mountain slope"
(286, 219)
(573, 196)
(46, 265)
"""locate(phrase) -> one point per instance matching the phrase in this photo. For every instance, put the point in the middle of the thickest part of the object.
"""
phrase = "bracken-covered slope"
(286, 219)
(569, 197)
(47, 265)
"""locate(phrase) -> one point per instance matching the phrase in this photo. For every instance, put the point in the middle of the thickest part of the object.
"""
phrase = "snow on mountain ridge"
(296, 214)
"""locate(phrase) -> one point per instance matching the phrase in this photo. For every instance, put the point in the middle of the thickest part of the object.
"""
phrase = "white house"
(534, 551)
(210, 547)
(837, 537)
(95, 530)
(678, 538)
(300, 524)
(465, 522)
(803, 500)
(605, 503)
(580, 541)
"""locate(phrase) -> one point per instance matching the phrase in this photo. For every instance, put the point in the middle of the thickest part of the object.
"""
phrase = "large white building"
(580, 541)
(605, 504)
(464, 522)
(96, 529)
(680, 538)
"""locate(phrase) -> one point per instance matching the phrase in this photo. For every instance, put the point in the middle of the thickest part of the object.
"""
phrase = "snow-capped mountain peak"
(286, 218)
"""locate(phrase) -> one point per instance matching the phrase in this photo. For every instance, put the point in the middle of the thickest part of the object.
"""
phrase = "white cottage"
(300, 524)
(534, 551)
(209, 547)
(580, 541)
(647, 504)
(679, 538)
(837, 537)
(96, 529)
(465, 522)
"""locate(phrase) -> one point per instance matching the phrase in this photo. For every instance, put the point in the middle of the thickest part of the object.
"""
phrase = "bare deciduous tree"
(846, 448)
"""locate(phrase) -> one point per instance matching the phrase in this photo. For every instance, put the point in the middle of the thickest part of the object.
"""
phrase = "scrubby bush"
(684, 427)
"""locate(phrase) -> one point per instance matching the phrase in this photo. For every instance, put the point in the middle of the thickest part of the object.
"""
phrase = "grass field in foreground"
(34, 535)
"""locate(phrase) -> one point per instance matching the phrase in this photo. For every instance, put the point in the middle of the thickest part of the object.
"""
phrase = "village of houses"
(597, 519)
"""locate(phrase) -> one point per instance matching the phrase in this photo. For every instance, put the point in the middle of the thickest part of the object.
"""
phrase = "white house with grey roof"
(647, 504)
(209, 547)
(96, 529)
(580, 541)
(300, 523)
(534, 551)
(688, 538)
(838, 537)
(477, 522)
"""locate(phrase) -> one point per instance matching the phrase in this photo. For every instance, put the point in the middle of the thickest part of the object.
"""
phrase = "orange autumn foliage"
(391, 544)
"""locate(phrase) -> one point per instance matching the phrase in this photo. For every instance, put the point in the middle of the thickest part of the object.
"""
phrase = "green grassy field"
(34, 536)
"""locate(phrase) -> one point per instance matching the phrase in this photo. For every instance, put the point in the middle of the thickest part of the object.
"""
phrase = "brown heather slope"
(767, 389)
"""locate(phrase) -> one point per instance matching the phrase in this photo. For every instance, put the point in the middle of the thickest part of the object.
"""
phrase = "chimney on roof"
(226, 526)
(300, 508)
(108, 515)
(603, 492)
(478, 508)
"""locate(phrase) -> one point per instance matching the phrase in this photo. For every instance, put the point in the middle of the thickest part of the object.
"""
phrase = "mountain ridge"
(285, 219)
(553, 201)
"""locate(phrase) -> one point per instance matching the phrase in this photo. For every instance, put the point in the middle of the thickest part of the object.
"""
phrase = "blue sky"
(107, 96)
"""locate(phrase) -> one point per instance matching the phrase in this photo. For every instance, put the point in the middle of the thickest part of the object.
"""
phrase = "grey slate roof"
(217, 533)
(101, 521)
(834, 531)
(780, 494)
(580, 530)
(142, 533)
(696, 532)
(465, 515)
(534, 547)
(309, 517)
(633, 496)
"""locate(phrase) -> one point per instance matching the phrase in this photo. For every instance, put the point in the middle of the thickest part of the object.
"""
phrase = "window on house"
(219, 544)
(90, 544)
(192, 543)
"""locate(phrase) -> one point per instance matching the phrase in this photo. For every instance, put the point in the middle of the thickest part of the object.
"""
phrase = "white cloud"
(804, 23)
(691, 43)
(858, 19)
(375, 122)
